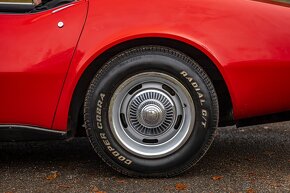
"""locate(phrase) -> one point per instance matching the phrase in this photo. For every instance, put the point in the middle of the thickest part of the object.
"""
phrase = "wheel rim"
(151, 114)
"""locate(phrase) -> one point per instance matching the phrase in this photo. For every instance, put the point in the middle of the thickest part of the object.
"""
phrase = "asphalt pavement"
(248, 159)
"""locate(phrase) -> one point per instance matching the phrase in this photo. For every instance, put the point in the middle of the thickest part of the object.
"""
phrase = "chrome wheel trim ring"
(165, 118)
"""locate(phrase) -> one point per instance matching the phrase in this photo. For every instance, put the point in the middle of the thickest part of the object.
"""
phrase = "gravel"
(248, 159)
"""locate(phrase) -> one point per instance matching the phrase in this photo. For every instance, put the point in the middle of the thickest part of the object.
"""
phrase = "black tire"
(101, 102)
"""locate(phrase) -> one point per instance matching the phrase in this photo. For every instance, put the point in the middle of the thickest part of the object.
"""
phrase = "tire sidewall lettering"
(140, 60)
(201, 97)
(103, 135)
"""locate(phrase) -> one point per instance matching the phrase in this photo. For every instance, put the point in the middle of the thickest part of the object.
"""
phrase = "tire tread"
(164, 51)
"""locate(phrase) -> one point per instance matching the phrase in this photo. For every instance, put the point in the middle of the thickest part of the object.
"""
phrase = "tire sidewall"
(122, 67)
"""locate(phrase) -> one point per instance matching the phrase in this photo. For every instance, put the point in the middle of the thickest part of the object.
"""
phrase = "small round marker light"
(60, 24)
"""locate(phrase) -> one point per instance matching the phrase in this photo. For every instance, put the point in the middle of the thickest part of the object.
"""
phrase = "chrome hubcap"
(151, 112)
(151, 115)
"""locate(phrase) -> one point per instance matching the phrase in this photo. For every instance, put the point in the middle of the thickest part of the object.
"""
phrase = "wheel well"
(75, 121)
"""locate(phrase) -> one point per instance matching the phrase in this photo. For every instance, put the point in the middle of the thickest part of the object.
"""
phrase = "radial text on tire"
(151, 111)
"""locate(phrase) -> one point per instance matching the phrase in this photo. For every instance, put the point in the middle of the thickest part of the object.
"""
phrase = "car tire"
(151, 111)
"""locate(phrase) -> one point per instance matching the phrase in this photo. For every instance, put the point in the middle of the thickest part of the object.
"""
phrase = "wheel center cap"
(151, 112)
(152, 115)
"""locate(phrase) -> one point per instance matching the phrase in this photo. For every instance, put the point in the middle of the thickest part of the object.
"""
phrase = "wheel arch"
(75, 120)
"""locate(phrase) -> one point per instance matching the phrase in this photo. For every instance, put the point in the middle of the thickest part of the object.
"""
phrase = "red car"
(147, 81)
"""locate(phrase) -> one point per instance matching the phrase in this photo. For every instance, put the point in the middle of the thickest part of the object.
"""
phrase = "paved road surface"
(251, 159)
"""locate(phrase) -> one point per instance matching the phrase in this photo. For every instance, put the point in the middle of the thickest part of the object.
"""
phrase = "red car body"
(43, 64)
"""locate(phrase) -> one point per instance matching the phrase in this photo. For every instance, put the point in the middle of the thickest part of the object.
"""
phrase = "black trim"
(49, 4)
(16, 7)
(272, 118)
(275, 2)
(28, 133)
